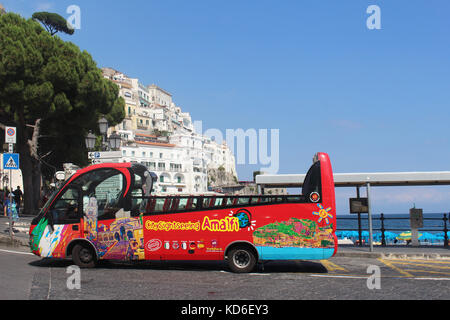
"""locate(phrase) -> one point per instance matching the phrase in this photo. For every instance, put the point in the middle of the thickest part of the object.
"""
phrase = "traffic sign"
(94, 155)
(104, 155)
(10, 135)
(11, 161)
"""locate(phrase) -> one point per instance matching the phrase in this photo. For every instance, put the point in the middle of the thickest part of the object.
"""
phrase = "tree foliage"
(44, 78)
(53, 22)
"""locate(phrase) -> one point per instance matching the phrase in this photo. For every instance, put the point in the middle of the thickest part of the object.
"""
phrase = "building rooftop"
(158, 144)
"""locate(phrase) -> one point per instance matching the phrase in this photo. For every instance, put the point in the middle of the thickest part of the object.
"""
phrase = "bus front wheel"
(241, 260)
(83, 256)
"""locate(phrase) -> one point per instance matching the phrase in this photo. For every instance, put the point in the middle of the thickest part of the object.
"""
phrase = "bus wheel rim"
(241, 259)
(85, 255)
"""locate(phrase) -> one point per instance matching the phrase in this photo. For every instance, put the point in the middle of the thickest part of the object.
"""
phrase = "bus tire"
(83, 255)
(241, 260)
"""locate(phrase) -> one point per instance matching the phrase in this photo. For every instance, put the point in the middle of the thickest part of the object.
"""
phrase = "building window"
(161, 179)
(143, 154)
(160, 155)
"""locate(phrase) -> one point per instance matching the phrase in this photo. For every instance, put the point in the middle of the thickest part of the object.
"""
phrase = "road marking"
(363, 277)
(434, 279)
(427, 271)
(17, 252)
(330, 266)
(423, 266)
(426, 267)
(442, 261)
(390, 265)
(337, 276)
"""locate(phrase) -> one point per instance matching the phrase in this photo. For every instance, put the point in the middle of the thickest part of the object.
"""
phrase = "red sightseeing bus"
(107, 211)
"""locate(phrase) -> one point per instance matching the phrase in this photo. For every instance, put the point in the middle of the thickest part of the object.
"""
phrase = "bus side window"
(136, 201)
(65, 210)
(313, 181)
(196, 202)
(264, 199)
(218, 202)
(243, 200)
(150, 205)
(182, 204)
(167, 204)
(175, 202)
(294, 198)
(206, 202)
(212, 202)
(189, 204)
(224, 202)
(159, 205)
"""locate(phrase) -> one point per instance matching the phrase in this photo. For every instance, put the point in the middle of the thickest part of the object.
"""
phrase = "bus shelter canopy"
(361, 179)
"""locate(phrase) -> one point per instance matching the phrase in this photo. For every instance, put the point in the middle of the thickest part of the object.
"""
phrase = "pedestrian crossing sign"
(10, 161)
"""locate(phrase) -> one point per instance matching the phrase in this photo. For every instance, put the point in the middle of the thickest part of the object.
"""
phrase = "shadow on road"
(299, 266)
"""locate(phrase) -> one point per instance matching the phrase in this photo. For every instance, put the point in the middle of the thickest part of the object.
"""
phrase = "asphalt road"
(24, 276)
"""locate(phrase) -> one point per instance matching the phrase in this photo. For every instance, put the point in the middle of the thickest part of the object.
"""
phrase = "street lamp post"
(103, 126)
(113, 142)
(90, 141)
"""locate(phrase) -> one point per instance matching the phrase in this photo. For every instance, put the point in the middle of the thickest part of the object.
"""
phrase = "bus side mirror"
(50, 221)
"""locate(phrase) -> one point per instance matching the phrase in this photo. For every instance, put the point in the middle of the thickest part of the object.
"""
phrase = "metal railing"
(382, 220)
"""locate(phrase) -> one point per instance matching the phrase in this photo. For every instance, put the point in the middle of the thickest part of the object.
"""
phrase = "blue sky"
(375, 100)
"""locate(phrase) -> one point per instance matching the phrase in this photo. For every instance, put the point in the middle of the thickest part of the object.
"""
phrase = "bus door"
(93, 206)
(108, 223)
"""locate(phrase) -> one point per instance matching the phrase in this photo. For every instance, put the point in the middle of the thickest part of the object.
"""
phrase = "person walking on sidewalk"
(10, 210)
(18, 196)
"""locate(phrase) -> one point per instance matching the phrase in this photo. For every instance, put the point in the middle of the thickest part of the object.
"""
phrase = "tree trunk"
(26, 164)
(30, 166)
(36, 175)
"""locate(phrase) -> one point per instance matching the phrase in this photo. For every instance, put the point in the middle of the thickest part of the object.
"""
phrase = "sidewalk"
(395, 252)
(21, 238)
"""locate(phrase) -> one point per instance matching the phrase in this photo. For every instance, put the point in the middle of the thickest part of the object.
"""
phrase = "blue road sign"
(11, 161)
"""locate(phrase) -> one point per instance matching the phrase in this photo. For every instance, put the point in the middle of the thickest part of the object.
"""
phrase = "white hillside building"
(158, 134)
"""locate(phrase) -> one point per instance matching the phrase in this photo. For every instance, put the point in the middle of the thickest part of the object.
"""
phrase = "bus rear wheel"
(241, 260)
(84, 256)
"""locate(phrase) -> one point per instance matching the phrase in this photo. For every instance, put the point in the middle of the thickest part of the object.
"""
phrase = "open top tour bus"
(106, 211)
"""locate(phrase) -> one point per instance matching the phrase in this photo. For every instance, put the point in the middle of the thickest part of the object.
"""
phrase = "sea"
(433, 223)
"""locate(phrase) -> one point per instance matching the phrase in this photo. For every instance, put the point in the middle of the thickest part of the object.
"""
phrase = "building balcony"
(142, 127)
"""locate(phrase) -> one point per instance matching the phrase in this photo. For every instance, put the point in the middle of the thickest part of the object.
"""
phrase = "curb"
(400, 255)
(15, 242)
(359, 254)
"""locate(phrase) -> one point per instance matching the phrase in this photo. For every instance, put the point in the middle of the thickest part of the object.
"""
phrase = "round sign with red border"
(11, 132)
